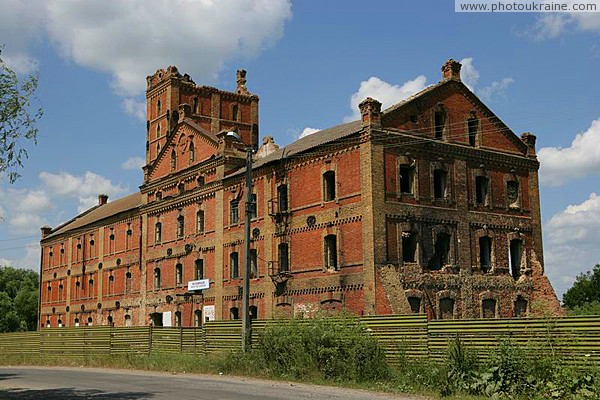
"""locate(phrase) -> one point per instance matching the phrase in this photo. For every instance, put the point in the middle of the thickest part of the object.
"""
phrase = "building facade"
(431, 206)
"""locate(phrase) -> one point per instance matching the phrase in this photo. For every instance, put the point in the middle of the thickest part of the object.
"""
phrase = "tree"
(17, 119)
(19, 293)
(585, 292)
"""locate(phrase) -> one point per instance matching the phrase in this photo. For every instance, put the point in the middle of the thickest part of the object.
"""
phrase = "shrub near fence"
(576, 340)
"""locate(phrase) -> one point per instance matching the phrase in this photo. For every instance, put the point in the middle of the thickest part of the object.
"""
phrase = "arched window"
(157, 131)
(195, 105)
(253, 312)
(515, 257)
(158, 107)
(178, 319)
(179, 274)
(192, 153)
(235, 112)
(331, 252)
(199, 221)
(234, 313)
(447, 308)
(329, 186)
(197, 318)
(173, 159)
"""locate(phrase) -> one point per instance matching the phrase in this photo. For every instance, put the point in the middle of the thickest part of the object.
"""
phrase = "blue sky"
(310, 62)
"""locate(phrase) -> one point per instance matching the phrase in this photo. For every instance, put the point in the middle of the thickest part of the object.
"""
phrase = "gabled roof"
(98, 213)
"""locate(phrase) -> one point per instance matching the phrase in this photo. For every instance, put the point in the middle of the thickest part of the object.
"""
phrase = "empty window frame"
(235, 113)
(446, 308)
(197, 318)
(234, 211)
(407, 179)
(195, 105)
(192, 153)
(329, 186)
(178, 319)
(180, 226)
(157, 280)
(515, 257)
(409, 246)
(415, 304)
(488, 308)
(440, 180)
(520, 307)
(253, 263)
(157, 232)
(111, 284)
(439, 122)
(173, 160)
(253, 312)
(512, 193)
(252, 207)
(158, 107)
(331, 259)
(179, 274)
(485, 253)
(234, 313)
(482, 184)
(200, 221)
(472, 127)
(199, 269)
(128, 281)
(234, 263)
(441, 253)
(282, 198)
(158, 132)
(283, 257)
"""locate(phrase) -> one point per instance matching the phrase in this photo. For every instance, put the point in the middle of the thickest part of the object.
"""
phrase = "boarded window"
(234, 265)
(488, 308)
(485, 253)
(516, 255)
(415, 304)
(481, 190)
(446, 308)
(407, 177)
(329, 186)
(409, 246)
(440, 178)
(520, 307)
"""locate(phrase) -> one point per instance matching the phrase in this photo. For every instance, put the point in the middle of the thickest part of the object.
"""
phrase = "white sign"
(198, 285)
(209, 313)
(166, 316)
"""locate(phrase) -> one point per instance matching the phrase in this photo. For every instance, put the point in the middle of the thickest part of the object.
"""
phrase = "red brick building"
(430, 206)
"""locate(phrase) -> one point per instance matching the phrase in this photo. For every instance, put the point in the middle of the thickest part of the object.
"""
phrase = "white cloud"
(496, 89)
(26, 223)
(131, 38)
(33, 201)
(31, 259)
(388, 94)
(133, 163)
(21, 23)
(581, 158)
(552, 25)
(135, 108)
(85, 188)
(308, 131)
(468, 74)
(572, 241)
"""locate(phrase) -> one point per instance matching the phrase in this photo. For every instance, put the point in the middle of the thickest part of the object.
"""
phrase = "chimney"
(241, 82)
(370, 112)
(529, 139)
(46, 230)
(102, 199)
(451, 70)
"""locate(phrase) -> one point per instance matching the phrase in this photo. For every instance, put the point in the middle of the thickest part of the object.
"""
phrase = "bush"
(337, 349)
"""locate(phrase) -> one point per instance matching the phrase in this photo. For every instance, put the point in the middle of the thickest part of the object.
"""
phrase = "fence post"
(149, 339)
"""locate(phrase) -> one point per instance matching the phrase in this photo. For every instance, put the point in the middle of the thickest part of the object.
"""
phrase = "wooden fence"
(575, 339)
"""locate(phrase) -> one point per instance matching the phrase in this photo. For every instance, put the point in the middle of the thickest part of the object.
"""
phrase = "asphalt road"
(20, 383)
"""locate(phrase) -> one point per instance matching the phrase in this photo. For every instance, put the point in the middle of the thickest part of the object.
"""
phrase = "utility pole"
(246, 328)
